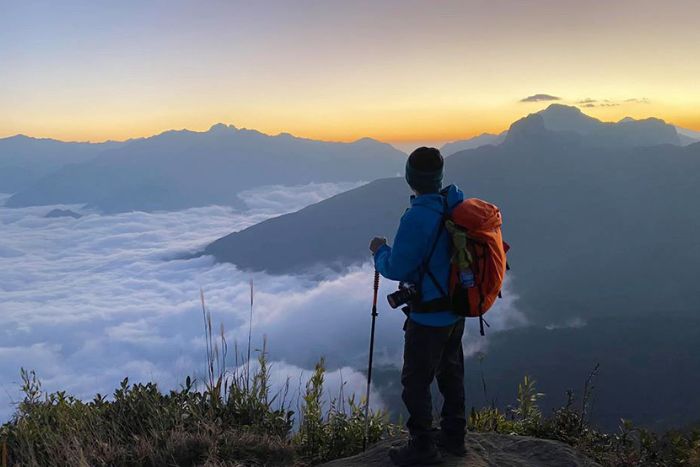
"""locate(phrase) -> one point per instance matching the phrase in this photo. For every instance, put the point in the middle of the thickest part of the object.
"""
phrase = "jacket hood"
(436, 201)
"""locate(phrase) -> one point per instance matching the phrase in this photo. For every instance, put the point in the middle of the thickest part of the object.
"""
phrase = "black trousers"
(429, 353)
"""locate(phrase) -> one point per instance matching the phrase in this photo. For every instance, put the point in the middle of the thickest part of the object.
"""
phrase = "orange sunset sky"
(398, 71)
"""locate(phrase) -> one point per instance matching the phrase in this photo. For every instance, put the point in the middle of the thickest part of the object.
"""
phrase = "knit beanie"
(424, 170)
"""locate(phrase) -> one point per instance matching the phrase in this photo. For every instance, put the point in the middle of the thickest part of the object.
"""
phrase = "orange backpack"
(480, 223)
(478, 265)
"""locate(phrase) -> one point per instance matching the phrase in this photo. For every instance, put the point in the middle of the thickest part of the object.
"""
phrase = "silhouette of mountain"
(63, 213)
(179, 169)
(481, 140)
(564, 118)
(626, 132)
(25, 160)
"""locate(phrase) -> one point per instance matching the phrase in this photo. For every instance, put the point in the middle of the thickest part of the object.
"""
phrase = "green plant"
(630, 446)
(338, 431)
(232, 418)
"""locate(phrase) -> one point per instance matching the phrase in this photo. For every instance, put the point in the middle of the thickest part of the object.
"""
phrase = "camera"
(406, 294)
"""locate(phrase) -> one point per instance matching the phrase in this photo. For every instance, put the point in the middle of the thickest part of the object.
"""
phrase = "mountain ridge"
(25, 159)
(544, 181)
(182, 168)
(566, 118)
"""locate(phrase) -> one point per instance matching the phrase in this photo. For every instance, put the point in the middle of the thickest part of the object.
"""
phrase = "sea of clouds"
(85, 302)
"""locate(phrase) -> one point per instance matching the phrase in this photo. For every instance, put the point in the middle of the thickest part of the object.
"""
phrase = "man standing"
(433, 333)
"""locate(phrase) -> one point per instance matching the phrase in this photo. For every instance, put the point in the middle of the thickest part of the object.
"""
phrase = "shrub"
(631, 446)
(233, 419)
(340, 432)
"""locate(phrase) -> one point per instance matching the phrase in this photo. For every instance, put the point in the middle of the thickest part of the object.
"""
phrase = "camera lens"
(392, 302)
(401, 296)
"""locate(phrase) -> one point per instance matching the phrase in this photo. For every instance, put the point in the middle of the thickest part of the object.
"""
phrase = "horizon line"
(404, 140)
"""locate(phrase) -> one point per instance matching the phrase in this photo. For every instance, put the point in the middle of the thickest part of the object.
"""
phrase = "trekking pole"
(371, 352)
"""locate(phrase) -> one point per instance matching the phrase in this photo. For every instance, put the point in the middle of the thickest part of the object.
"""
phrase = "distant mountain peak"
(561, 112)
(63, 213)
(562, 108)
(25, 138)
(18, 137)
(559, 117)
(567, 119)
(524, 129)
(535, 120)
(366, 140)
(221, 127)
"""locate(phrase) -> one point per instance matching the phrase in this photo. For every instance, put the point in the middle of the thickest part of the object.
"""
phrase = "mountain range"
(604, 234)
(627, 131)
(181, 169)
(25, 160)
(603, 212)
(565, 178)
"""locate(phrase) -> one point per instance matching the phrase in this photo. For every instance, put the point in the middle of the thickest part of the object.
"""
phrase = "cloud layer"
(590, 103)
(540, 98)
(86, 302)
(587, 102)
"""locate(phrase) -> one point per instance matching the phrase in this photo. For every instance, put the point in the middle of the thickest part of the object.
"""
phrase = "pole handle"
(376, 292)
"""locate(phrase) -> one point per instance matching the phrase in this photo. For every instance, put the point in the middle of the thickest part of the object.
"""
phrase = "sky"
(395, 70)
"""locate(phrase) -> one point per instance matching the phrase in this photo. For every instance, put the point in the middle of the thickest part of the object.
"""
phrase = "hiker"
(433, 333)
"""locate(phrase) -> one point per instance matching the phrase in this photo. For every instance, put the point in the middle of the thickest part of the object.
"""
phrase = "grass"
(233, 418)
(570, 424)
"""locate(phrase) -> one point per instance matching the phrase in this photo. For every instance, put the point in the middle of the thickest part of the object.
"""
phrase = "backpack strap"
(425, 267)
(444, 302)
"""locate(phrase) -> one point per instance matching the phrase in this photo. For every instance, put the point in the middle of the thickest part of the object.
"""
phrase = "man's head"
(424, 170)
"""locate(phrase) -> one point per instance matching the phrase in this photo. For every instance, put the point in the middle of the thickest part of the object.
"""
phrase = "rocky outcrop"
(63, 213)
(486, 450)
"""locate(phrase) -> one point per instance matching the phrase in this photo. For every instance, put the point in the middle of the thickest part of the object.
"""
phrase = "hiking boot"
(416, 452)
(452, 443)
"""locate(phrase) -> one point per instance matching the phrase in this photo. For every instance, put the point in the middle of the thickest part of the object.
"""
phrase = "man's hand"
(376, 243)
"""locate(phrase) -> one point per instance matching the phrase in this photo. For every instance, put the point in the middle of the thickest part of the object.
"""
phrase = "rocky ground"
(485, 449)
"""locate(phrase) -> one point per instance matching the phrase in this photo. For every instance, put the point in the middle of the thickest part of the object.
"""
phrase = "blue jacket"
(412, 244)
